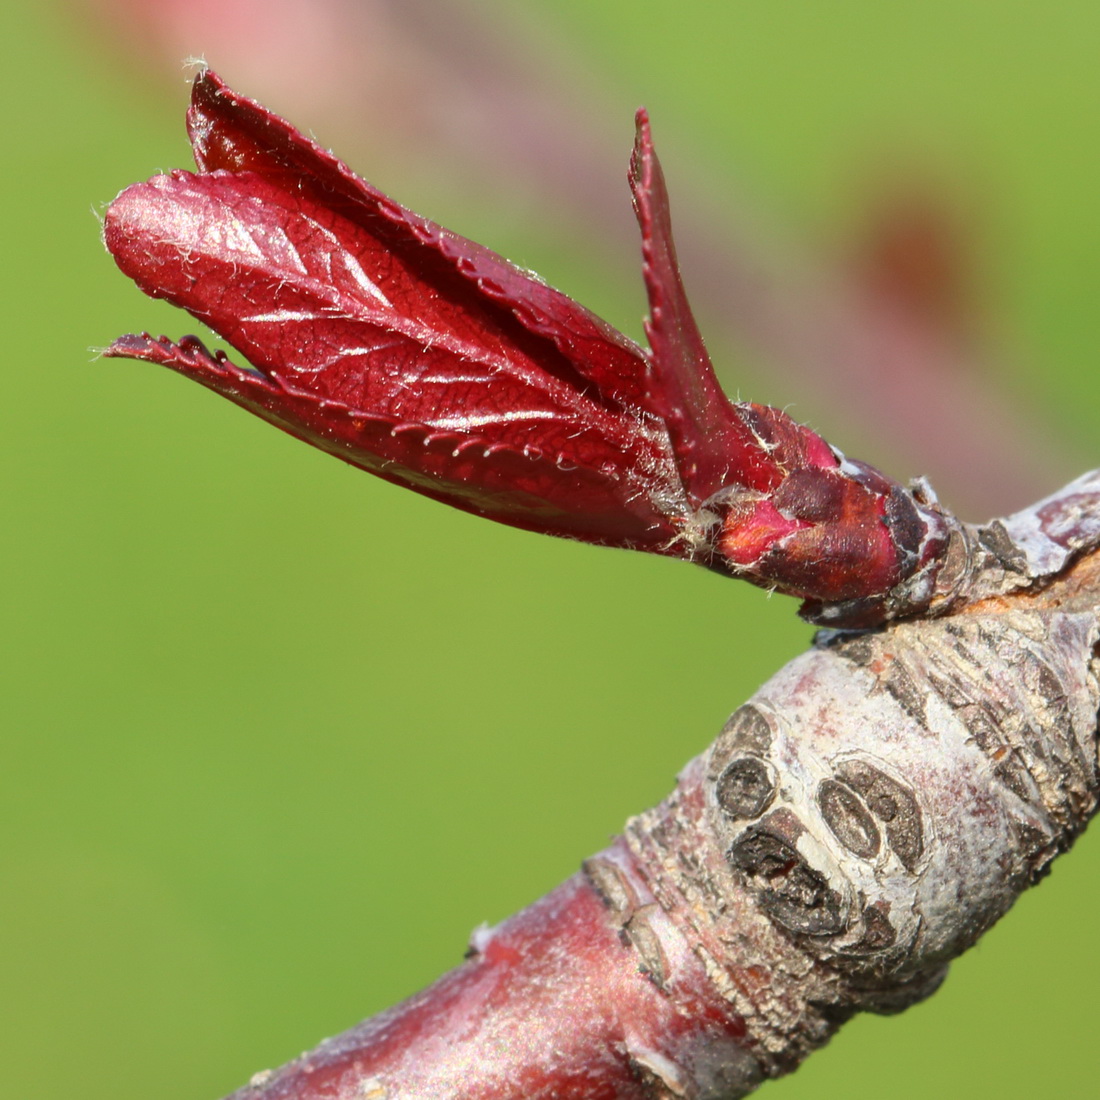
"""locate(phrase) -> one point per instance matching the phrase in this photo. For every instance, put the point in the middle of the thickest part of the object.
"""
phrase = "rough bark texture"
(859, 822)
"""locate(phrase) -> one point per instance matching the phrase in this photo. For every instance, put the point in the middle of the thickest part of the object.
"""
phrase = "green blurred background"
(277, 736)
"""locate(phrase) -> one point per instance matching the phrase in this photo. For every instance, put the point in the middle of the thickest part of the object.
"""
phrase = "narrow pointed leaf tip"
(434, 363)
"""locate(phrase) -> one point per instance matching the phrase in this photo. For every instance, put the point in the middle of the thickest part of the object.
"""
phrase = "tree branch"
(858, 823)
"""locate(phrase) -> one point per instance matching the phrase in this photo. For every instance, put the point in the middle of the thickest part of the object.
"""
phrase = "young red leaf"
(431, 361)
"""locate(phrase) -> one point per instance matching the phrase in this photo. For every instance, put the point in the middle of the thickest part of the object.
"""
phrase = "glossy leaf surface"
(431, 361)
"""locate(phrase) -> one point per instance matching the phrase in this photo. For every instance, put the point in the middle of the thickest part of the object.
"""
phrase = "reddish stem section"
(556, 1003)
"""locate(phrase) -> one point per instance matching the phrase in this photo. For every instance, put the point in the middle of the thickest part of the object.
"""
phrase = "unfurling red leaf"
(429, 360)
